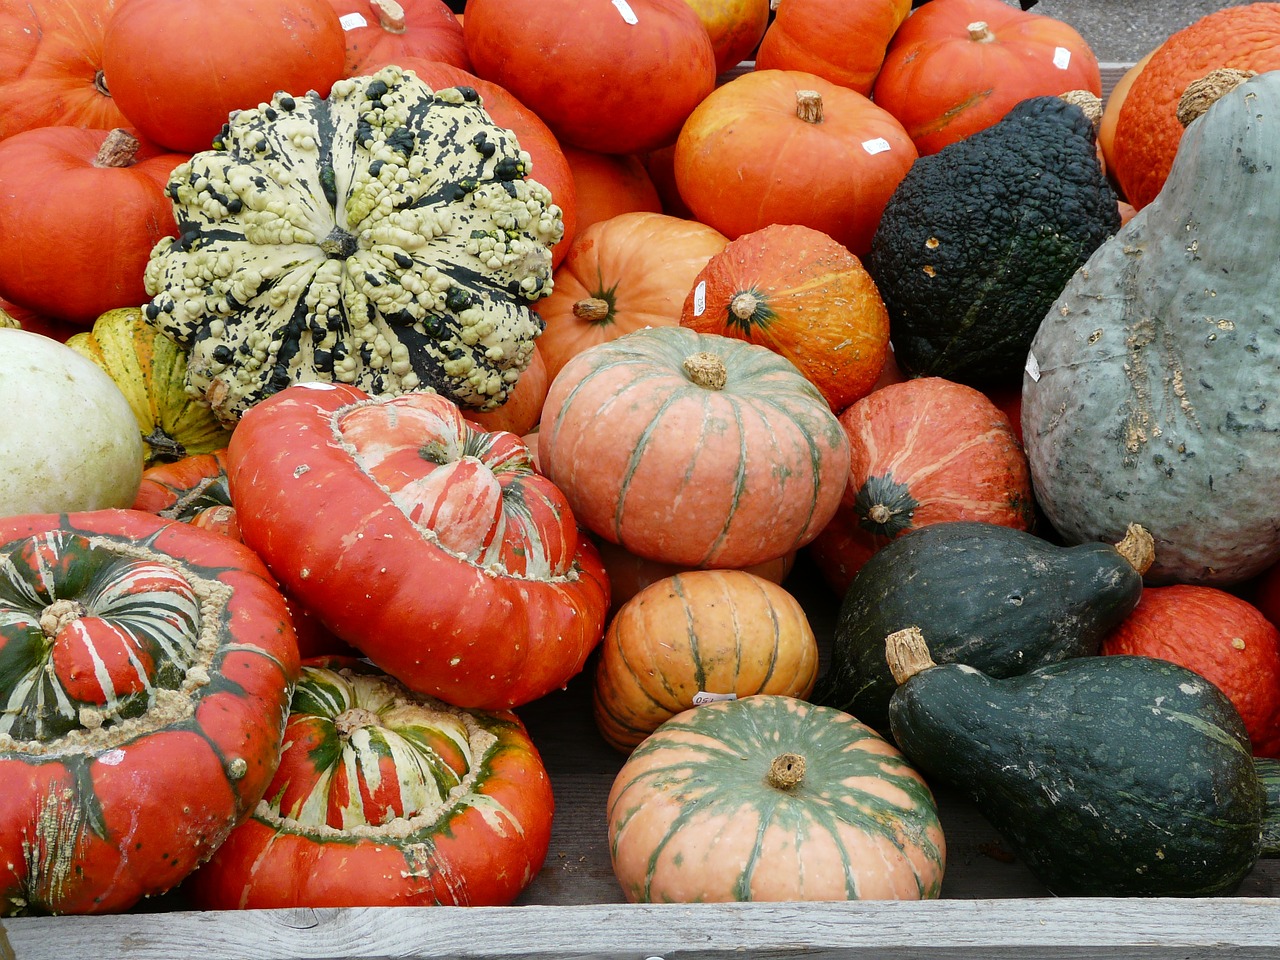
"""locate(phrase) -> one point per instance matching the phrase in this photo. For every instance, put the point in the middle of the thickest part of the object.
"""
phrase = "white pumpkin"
(69, 440)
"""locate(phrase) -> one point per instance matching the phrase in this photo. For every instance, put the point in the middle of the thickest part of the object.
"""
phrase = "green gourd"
(1149, 394)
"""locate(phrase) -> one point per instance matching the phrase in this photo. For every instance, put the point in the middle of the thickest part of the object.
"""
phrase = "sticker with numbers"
(352, 21)
(702, 696)
(878, 145)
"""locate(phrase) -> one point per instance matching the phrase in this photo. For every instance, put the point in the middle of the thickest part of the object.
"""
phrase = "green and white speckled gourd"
(386, 237)
(1150, 392)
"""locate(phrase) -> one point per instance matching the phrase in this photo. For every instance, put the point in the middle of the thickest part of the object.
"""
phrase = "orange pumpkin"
(920, 452)
(695, 637)
(1225, 639)
(958, 66)
(838, 40)
(621, 274)
(796, 291)
(379, 32)
(1147, 132)
(1111, 118)
(692, 449)
(782, 146)
(735, 27)
(608, 184)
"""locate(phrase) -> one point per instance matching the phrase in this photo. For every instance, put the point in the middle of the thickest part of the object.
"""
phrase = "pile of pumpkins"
(436, 359)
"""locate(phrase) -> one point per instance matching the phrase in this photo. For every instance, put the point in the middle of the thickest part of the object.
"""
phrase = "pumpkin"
(386, 798)
(1110, 120)
(218, 57)
(439, 552)
(958, 66)
(839, 41)
(192, 490)
(97, 198)
(921, 452)
(734, 26)
(692, 448)
(621, 275)
(796, 291)
(1220, 636)
(26, 319)
(769, 798)
(51, 65)
(150, 370)
(614, 77)
(1148, 131)
(379, 32)
(384, 237)
(608, 184)
(83, 451)
(1145, 397)
(695, 637)
(149, 671)
(783, 146)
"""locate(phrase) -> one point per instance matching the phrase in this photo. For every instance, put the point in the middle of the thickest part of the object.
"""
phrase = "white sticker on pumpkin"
(702, 696)
(700, 298)
(878, 145)
(352, 21)
(112, 757)
(624, 8)
(1033, 367)
(1061, 57)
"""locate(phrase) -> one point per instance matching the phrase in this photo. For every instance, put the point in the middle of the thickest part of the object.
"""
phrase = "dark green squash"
(997, 598)
(1269, 774)
(1107, 776)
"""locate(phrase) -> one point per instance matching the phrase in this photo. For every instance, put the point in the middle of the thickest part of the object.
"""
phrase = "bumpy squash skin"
(1108, 776)
(1151, 397)
(999, 599)
(979, 238)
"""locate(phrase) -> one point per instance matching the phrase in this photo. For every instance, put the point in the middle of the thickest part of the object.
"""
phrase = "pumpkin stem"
(907, 654)
(980, 32)
(706, 370)
(1138, 547)
(162, 448)
(809, 106)
(390, 15)
(118, 150)
(592, 309)
(339, 244)
(58, 614)
(1087, 101)
(786, 771)
(352, 719)
(744, 305)
(1201, 94)
(100, 83)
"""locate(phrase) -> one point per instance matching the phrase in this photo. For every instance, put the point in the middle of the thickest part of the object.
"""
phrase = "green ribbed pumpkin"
(770, 798)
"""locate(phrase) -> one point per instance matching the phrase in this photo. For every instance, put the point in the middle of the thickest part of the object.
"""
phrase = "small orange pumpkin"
(796, 291)
(608, 184)
(839, 41)
(379, 32)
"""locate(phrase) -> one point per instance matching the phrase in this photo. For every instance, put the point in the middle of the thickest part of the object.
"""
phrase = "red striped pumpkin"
(192, 490)
(770, 798)
(383, 798)
(693, 449)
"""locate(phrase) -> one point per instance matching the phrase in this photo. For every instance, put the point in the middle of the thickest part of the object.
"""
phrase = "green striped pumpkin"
(770, 798)
(693, 449)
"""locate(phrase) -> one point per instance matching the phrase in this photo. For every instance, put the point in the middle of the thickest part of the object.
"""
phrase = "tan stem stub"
(980, 32)
(1088, 102)
(1203, 93)
(1138, 547)
(120, 149)
(786, 772)
(353, 719)
(706, 370)
(100, 83)
(58, 614)
(591, 309)
(907, 654)
(879, 513)
(390, 15)
(809, 106)
(744, 305)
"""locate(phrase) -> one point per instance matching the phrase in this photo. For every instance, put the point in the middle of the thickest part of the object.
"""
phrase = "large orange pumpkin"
(796, 291)
(692, 448)
(694, 637)
(839, 40)
(1246, 36)
(958, 66)
(379, 32)
(622, 274)
(783, 146)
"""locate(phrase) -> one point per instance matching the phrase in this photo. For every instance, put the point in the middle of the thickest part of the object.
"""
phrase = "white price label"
(624, 8)
(1061, 57)
(1033, 367)
(700, 298)
(702, 696)
(878, 145)
(352, 21)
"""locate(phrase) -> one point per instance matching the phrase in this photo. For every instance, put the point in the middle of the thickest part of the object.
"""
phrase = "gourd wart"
(387, 236)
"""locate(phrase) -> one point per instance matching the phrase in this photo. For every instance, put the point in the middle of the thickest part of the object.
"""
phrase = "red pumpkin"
(379, 32)
(431, 546)
(735, 27)
(609, 184)
(33, 322)
(149, 666)
(177, 69)
(781, 146)
(837, 40)
(922, 451)
(384, 798)
(693, 449)
(613, 77)
(958, 66)
(1223, 638)
(97, 197)
(51, 65)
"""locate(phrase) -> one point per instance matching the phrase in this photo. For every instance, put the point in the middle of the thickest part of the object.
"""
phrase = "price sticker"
(1061, 57)
(700, 298)
(702, 696)
(352, 21)
(878, 145)
(624, 8)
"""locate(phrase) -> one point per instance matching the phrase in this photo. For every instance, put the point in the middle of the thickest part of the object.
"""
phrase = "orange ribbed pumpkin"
(379, 32)
(1147, 133)
(796, 291)
(838, 40)
(726, 633)
(922, 451)
(692, 449)
(622, 274)
(1225, 639)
